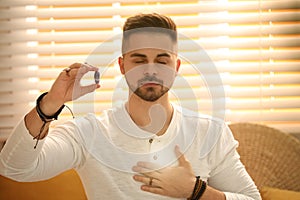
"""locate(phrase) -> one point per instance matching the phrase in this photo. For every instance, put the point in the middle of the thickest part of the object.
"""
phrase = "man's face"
(149, 72)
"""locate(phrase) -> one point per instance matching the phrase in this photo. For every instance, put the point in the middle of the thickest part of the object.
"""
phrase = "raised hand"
(67, 87)
(175, 182)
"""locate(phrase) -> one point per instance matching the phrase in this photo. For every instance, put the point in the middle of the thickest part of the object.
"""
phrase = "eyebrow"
(144, 56)
(138, 55)
(163, 55)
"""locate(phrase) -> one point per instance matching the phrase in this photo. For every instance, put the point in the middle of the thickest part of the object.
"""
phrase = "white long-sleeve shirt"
(104, 149)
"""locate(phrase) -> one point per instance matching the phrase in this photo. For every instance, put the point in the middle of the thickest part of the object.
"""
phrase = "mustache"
(150, 79)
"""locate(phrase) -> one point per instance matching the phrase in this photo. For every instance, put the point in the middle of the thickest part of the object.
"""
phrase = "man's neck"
(153, 117)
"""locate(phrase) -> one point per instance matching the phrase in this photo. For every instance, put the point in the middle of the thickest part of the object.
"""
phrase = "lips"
(150, 81)
(150, 84)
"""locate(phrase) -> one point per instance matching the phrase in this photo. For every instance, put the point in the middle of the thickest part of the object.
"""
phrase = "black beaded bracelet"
(46, 118)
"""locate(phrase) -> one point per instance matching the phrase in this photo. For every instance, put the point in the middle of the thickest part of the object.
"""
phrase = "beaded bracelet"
(199, 189)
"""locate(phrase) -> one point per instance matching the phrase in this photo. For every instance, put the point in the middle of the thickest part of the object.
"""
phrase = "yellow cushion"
(268, 193)
(64, 186)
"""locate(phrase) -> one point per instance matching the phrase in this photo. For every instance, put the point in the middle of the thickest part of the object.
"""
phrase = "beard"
(150, 94)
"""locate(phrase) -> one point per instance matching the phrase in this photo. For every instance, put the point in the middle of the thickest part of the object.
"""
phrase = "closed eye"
(139, 61)
(162, 62)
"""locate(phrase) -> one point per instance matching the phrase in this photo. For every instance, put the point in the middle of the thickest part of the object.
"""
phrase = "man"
(147, 148)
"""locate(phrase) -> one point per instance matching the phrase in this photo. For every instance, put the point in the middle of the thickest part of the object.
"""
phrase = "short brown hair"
(149, 20)
(153, 22)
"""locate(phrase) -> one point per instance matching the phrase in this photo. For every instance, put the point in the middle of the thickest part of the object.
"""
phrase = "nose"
(150, 69)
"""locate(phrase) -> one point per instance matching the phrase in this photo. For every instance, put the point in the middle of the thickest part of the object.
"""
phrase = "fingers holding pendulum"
(67, 70)
(96, 74)
(97, 77)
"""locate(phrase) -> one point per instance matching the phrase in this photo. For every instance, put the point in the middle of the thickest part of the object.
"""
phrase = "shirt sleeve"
(56, 153)
(228, 174)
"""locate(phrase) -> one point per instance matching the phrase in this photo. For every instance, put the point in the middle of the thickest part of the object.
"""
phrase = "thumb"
(181, 158)
(83, 90)
(89, 88)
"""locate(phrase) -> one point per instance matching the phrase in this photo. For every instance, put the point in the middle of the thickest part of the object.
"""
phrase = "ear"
(178, 63)
(121, 64)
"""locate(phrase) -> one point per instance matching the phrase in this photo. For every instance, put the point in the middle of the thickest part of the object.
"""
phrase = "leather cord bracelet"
(45, 118)
(199, 189)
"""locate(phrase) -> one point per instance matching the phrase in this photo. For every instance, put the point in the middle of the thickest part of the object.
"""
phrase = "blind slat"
(110, 47)
(74, 2)
(279, 97)
(203, 31)
(242, 66)
(238, 67)
(181, 21)
(277, 94)
(61, 24)
(105, 11)
(71, 36)
(200, 7)
(244, 80)
(210, 30)
(194, 81)
(103, 60)
(242, 54)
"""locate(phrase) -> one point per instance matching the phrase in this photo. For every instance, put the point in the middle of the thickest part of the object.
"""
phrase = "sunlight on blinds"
(254, 45)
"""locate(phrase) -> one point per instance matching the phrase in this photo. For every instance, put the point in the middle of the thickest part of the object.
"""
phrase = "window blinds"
(254, 45)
